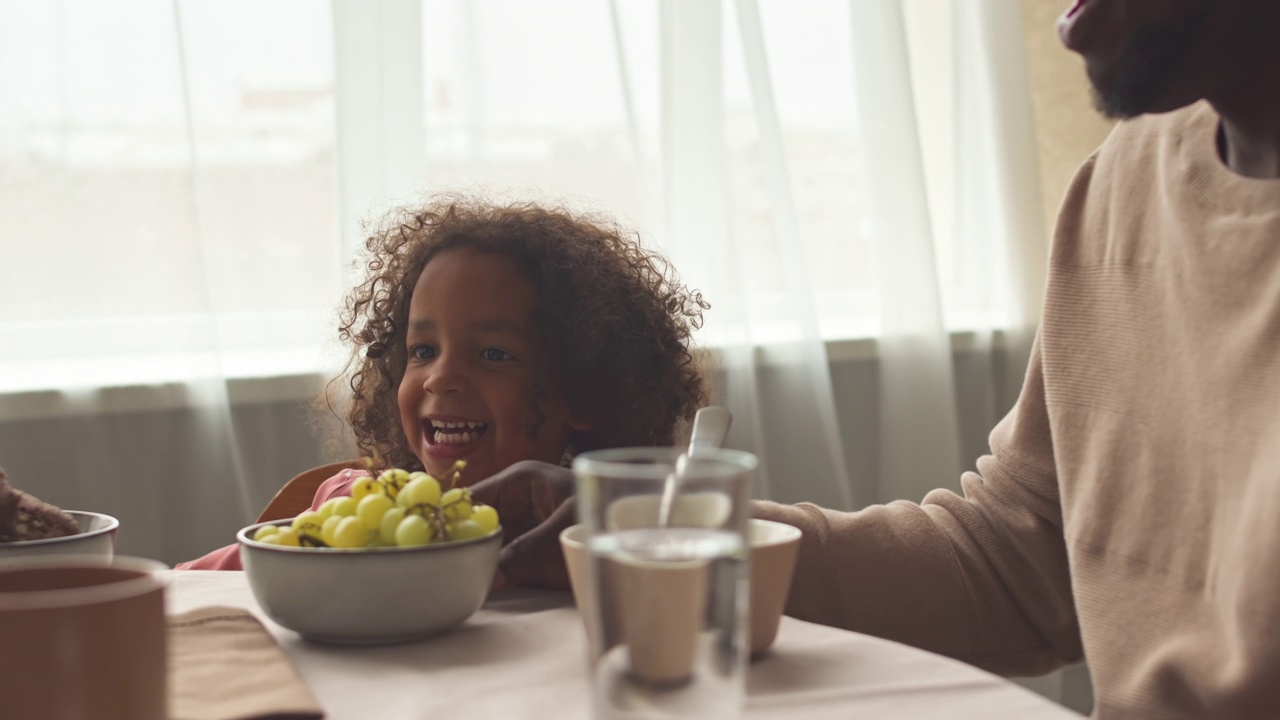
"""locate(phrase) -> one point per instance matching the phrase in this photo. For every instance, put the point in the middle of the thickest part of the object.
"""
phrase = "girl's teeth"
(456, 432)
(455, 438)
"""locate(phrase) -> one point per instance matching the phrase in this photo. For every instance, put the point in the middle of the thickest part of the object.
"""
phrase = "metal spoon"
(710, 427)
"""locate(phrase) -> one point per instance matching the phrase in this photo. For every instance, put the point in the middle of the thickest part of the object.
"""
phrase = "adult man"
(1127, 511)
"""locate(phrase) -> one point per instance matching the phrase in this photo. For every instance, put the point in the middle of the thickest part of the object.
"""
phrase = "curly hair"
(616, 320)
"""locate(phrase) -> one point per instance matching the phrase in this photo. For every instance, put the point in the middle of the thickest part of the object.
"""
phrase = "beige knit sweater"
(1129, 511)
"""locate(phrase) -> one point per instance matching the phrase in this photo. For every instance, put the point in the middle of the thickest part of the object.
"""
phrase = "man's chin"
(1117, 105)
(1127, 89)
(1150, 73)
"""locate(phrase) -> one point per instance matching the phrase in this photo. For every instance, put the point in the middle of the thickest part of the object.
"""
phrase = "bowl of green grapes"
(401, 559)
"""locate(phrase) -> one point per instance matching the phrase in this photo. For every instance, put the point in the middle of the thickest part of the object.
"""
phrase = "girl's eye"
(422, 352)
(495, 355)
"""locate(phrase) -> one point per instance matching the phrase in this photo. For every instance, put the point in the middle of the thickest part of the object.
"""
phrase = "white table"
(523, 655)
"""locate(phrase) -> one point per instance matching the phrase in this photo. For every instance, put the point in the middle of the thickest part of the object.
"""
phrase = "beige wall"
(1067, 126)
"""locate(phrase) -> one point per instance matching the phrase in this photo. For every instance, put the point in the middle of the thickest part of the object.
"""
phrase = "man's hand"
(535, 502)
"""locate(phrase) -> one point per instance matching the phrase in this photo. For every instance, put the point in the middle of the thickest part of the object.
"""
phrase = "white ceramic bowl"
(369, 596)
(97, 538)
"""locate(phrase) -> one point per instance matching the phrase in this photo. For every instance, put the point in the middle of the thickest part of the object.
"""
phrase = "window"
(181, 194)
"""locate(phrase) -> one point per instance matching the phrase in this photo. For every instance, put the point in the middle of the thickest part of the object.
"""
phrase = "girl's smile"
(450, 438)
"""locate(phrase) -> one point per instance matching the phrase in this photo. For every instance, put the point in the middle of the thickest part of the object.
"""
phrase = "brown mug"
(84, 637)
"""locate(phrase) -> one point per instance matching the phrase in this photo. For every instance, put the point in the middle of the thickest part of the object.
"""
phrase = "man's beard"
(1148, 67)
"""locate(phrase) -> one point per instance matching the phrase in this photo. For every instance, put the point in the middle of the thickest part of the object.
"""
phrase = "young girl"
(499, 333)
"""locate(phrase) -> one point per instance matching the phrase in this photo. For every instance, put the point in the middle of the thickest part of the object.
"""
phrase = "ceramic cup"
(84, 637)
(774, 547)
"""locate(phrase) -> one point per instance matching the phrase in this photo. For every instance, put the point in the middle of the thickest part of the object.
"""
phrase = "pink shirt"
(228, 558)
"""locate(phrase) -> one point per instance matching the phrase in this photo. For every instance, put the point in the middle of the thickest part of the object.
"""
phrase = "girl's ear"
(582, 415)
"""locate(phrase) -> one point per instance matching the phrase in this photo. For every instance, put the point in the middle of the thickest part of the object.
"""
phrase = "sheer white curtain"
(168, 233)
(851, 183)
(825, 172)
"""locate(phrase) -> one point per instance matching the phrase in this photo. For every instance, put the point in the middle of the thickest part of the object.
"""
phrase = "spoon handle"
(710, 427)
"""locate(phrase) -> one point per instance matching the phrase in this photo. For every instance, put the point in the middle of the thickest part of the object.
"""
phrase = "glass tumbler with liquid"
(670, 585)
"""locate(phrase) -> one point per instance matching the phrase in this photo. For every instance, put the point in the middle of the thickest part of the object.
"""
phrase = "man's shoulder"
(1141, 159)
(1136, 142)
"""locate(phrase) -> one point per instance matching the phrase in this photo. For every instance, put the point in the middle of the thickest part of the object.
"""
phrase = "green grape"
(371, 508)
(424, 490)
(264, 532)
(456, 504)
(326, 510)
(328, 528)
(365, 486)
(390, 521)
(413, 530)
(287, 537)
(350, 533)
(486, 516)
(393, 481)
(393, 477)
(465, 530)
(345, 507)
(308, 522)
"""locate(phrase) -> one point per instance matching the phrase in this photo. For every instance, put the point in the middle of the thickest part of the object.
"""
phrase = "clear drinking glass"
(669, 603)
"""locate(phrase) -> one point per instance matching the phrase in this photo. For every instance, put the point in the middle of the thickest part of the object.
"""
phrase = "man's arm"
(983, 578)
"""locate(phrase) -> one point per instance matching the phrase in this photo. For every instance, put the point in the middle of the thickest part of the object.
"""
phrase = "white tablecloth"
(523, 655)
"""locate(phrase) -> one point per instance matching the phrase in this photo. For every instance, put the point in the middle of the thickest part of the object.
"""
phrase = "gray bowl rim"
(245, 540)
(112, 525)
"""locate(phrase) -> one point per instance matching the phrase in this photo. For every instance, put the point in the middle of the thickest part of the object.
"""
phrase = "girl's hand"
(535, 502)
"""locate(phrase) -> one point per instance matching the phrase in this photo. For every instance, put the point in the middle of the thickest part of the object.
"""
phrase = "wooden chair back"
(297, 494)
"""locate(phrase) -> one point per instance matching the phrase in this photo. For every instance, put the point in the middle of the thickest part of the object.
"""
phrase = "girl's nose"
(445, 376)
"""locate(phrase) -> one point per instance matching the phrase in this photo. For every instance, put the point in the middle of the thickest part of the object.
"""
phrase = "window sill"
(288, 379)
(22, 405)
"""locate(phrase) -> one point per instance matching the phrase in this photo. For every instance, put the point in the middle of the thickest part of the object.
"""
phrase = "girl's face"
(478, 384)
